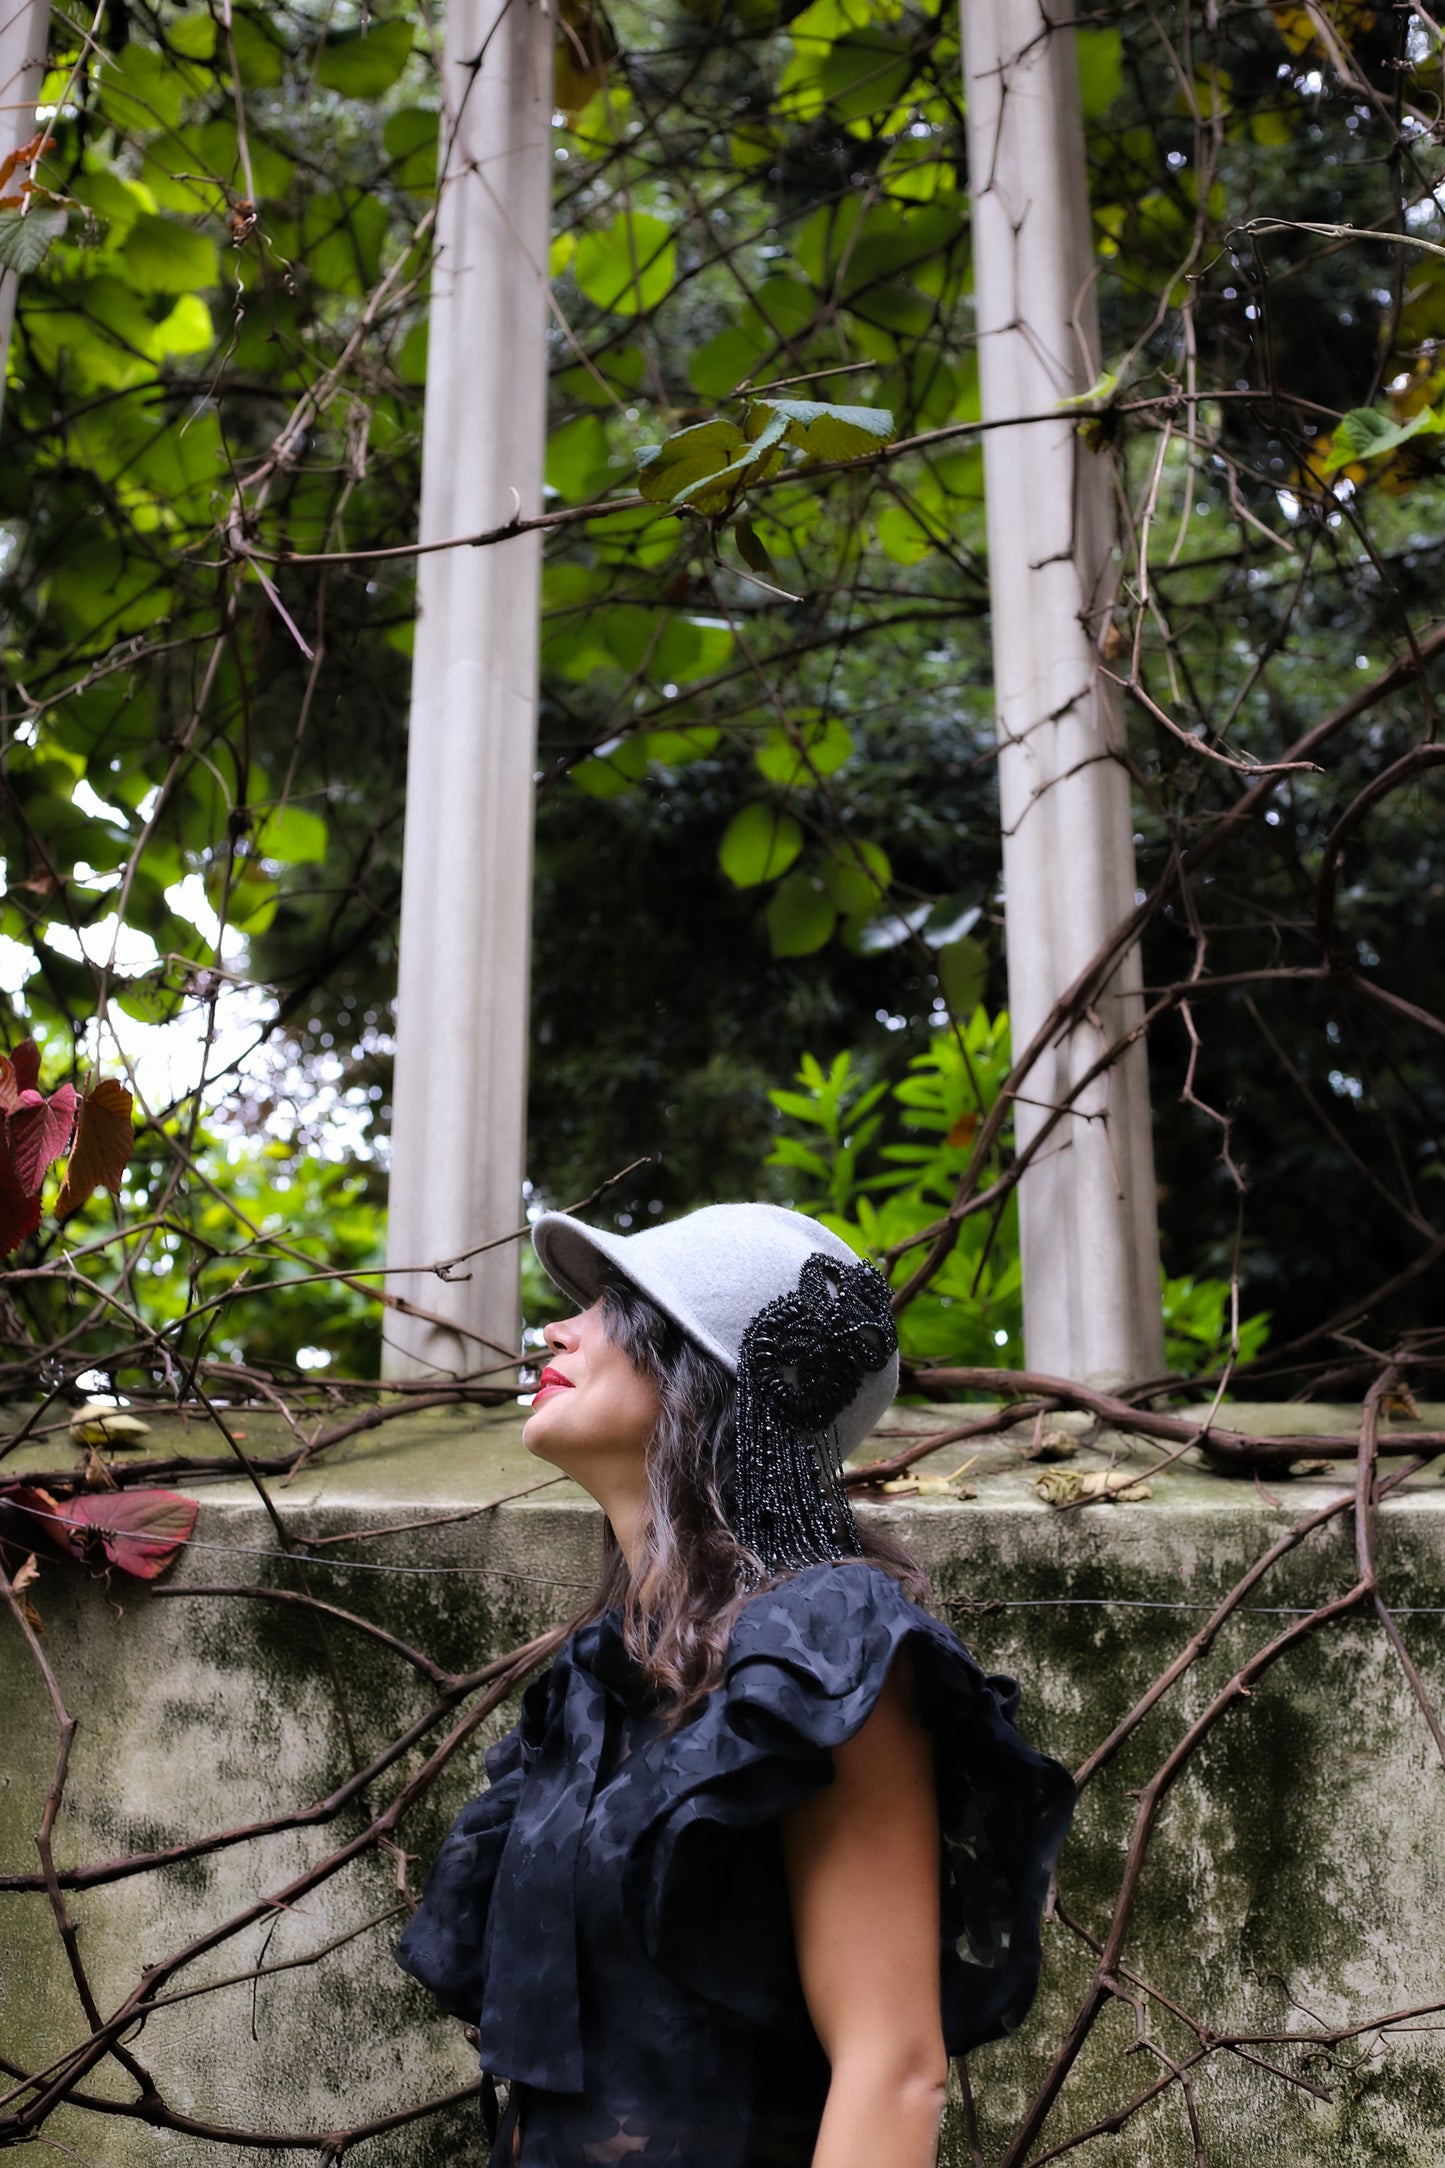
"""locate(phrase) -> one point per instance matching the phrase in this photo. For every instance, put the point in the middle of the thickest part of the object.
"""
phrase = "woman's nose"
(560, 1334)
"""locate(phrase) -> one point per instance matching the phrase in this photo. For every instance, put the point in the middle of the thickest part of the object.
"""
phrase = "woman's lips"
(551, 1381)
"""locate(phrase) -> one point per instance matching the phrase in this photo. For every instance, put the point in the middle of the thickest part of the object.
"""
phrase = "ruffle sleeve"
(444, 1942)
(806, 1664)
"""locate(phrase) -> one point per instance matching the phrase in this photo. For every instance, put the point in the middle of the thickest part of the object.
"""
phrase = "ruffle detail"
(806, 1664)
(444, 1943)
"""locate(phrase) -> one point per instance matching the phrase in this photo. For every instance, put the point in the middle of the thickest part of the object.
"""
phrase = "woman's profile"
(765, 1848)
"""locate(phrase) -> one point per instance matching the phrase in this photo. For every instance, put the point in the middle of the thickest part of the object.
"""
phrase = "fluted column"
(24, 28)
(1088, 1204)
(459, 1121)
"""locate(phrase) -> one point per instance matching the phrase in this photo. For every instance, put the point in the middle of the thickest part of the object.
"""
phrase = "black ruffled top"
(612, 1912)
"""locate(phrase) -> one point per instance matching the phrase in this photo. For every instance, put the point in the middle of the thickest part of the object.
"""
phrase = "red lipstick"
(550, 1381)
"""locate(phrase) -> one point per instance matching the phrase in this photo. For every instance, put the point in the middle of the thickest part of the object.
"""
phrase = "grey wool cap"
(712, 1272)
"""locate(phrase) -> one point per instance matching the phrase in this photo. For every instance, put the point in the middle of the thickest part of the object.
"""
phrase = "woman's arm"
(862, 1862)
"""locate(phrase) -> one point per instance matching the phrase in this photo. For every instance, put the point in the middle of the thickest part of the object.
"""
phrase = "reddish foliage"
(103, 1141)
(140, 1531)
(36, 1131)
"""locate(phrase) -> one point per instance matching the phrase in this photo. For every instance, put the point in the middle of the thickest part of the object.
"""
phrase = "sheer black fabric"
(612, 1912)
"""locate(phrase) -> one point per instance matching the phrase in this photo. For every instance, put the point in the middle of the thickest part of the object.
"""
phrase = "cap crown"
(711, 1271)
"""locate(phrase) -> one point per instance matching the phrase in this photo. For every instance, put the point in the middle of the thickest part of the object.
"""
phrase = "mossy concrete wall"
(1296, 1879)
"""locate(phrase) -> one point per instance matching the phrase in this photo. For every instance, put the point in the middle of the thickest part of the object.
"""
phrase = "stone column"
(1088, 1206)
(24, 28)
(459, 1121)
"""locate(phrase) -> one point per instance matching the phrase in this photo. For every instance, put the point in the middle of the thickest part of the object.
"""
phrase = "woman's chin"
(534, 1435)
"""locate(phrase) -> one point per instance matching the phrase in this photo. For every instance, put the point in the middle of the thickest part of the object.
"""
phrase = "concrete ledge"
(1296, 1874)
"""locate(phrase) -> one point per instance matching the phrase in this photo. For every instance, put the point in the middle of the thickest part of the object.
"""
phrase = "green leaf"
(163, 257)
(293, 836)
(963, 973)
(578, 465)
(686, 458)
(716, 369)
(759, 843)
(363, 63)
(675, 748)
(260, 57)
(750, 548)
(192, 36)
(832, 432)
(716, 492)
(1101, 69)
(25, 236)
(612, 772)
(1364, 433)
(800, 916)
(857, 876)
(410, 137)
(791, 757)
(248, 900)
(140, 91)
(629, 266)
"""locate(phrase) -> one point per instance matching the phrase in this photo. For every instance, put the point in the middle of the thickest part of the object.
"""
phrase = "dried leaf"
(1057, 1444)
(104, 1139)
(933, 1486)
(31, 1616)
(39, 1130)
(26, 1575)
(1076, 1486)
(97, 1475)
(1401, 1405)
(97, 1423)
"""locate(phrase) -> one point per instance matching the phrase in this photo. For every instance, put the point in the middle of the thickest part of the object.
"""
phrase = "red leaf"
(19, 1214)
(103, 1142)
(39, 1132)
(25, 1060)
(139, 1530)
(9, 1089)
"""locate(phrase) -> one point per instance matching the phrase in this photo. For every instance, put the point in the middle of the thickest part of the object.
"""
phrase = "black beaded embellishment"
(801, 1363)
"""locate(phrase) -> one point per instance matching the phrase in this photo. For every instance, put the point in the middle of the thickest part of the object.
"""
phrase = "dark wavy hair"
(693, 1575)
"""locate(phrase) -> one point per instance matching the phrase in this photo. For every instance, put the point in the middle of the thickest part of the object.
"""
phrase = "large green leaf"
(629, 266)
(793, 757)
(800, 915)
(363, 63)
(831, 432)
(759, 843)
(293, 835)
(1365, 434)
(164, 257)
(690, 456)
(25, 236)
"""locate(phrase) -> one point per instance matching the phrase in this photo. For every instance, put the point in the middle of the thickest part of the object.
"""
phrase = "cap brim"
(582, 1260)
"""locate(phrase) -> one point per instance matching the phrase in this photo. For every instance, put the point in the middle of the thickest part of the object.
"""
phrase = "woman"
(764, 1849)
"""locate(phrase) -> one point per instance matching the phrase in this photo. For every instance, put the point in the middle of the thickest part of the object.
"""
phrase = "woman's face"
(593, 1414)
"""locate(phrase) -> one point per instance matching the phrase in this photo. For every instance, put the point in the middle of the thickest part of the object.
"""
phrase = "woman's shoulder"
(826, 1613)
(816, 1649)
